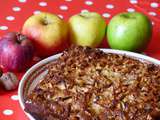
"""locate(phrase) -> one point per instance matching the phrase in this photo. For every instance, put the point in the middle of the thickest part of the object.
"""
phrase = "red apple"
(16, 51)
(48, 33)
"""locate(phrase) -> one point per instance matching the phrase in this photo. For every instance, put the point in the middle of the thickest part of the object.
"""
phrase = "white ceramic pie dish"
(39, 70)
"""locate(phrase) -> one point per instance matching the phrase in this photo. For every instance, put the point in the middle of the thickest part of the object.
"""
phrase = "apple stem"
(45, 22)
(125, 15)
(83, 15)
(20, 37)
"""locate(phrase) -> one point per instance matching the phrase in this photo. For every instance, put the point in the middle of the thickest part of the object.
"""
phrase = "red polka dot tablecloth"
(15, 12)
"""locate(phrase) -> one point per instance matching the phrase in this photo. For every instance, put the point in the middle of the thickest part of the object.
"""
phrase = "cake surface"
(88, 84)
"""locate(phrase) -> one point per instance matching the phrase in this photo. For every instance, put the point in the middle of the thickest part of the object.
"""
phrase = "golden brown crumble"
(88, 84)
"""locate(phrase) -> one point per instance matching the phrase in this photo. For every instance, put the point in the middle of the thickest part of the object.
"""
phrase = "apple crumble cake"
(88, 84)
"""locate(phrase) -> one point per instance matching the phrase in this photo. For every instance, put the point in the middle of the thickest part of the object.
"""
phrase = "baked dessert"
(88, 84)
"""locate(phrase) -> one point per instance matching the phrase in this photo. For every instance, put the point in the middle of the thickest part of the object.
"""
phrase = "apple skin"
(129, 31)
(48, 32)
(16, 51)
(87, 29)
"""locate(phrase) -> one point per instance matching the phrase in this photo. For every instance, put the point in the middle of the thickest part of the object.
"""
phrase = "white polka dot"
(106, 15)
(88, 2)
(36, 12)
(8, 112)
(43, 4)
(152, 13)
(16, 9)
(109, 6)
(10, 18)
(14, 97)
(153, 23)
(85, 10)
(3, 27)
(133, 1)
(61, 16)
(154, 5)
(131, 10)
(22, 1)
(63, 7)
(68, 0)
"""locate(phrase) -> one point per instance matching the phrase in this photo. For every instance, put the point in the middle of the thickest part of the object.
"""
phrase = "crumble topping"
(88, 84)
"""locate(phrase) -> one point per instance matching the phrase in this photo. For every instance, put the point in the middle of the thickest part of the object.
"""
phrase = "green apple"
(87, 29)
(129, 31)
